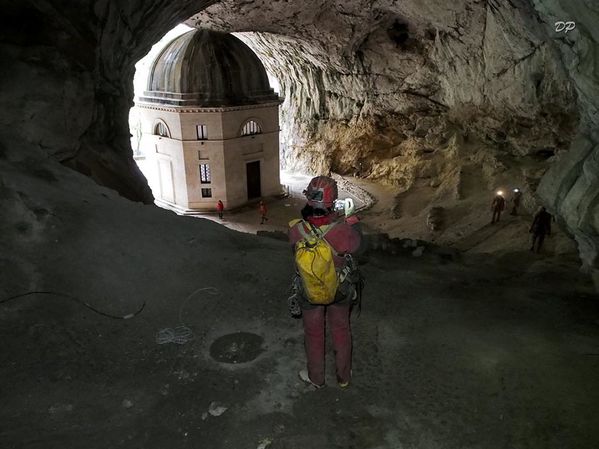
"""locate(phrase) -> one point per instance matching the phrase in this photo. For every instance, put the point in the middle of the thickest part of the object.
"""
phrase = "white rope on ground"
(181, 334)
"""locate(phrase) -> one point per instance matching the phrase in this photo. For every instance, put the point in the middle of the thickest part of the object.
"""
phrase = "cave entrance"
(207, 116)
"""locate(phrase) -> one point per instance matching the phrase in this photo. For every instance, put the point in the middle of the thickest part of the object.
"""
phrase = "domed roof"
(208, 68)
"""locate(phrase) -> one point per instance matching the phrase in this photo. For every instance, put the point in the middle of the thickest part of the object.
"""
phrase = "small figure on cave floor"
(516, 198)
(219, 208)
(497, 206)
(359, 170)
(541, 226)
(263, 211)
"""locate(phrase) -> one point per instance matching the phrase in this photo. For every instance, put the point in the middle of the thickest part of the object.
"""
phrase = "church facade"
(210, 124)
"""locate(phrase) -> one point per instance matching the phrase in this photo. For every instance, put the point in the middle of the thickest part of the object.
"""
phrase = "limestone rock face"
(417, 94)
(66, 82)
(571, 186)
(377, 88)
(489, 66)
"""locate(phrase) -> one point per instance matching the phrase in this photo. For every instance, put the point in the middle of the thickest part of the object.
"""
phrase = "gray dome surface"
(207, 68)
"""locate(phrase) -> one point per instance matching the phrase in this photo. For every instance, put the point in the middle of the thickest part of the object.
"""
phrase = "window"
(202, 131)
(206, 193)
(161, 130)
(250, 128)
(205, 177)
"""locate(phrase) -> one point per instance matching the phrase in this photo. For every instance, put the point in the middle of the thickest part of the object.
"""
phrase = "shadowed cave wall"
(403, 93)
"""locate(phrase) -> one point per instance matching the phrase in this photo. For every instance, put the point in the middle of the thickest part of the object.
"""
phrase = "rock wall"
(488, 66)
(376, 87)
(379, 89)
(571, 186)
(66, 82)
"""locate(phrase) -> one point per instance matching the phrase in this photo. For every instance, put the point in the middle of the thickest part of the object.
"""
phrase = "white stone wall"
(262, 147)
(172, 165)
(213, 120)
(149, 117)
(266, 117)
(165, 168)
(205, 152)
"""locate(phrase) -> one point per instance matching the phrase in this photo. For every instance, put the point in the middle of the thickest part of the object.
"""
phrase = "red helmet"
(321, 192)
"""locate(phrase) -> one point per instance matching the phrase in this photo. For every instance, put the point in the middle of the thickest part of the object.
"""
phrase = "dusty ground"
(474, 352)
(280, 211)
(467, 227)
(467, 223)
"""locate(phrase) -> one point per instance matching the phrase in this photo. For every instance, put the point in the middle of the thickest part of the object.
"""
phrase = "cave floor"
(280, 210)
(469, 230)
(446, 355)
(470, 352)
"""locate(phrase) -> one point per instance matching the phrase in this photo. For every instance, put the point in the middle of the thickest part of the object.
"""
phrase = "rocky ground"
(463, 224)
(451, 351)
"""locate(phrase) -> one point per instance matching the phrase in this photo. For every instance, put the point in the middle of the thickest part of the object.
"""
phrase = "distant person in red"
(344, 239)
(541, 226)
(497, 206)
(263, 211)
(219, 208)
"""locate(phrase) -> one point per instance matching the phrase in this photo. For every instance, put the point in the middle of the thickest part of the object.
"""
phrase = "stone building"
(210, 124)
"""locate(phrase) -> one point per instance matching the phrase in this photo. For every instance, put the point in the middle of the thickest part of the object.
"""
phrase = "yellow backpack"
(315, 263)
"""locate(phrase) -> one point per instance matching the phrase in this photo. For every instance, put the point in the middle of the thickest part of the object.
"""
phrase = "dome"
(208, 68)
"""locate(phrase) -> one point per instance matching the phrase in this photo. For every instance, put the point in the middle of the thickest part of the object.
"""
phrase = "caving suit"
(344, 239)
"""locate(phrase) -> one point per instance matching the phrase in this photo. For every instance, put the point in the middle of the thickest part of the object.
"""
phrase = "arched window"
(250, 128)
(160, 129)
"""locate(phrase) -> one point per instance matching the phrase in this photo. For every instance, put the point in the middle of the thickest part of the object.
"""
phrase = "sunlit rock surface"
(489, 67)
(407, 93)
(378, 89)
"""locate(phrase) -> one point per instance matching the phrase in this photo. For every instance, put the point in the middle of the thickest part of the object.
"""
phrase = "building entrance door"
(253, 179)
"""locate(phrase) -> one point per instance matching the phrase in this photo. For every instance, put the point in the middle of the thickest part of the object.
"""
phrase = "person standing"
(516, 201)
(220, 207)
(541, 226)
(497, 206)
(320, 224)
(263, 211)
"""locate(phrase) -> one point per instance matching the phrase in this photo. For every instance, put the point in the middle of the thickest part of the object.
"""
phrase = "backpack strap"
(324, 233)
(315, 231)
(292, 223)
(301, 227)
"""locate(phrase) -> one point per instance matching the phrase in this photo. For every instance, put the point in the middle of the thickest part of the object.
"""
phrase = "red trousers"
(337, 317)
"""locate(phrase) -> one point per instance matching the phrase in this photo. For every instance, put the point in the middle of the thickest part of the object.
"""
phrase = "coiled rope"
(181, 334)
